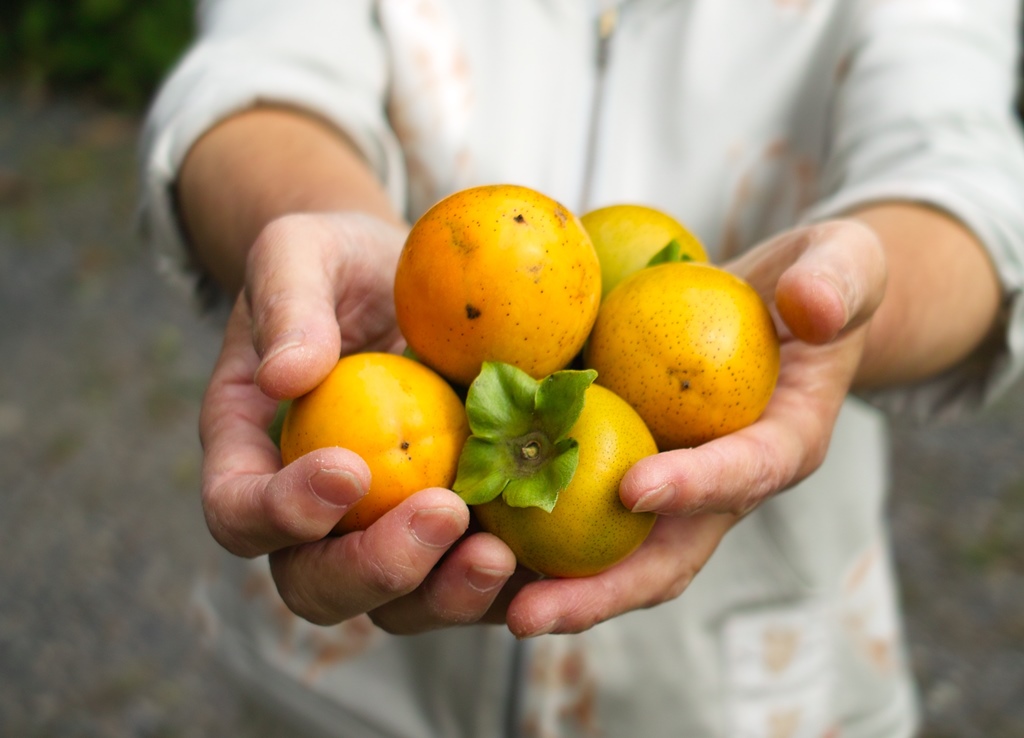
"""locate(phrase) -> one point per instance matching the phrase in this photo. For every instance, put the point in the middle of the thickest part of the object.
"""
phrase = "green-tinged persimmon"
(627, 236)
(543, 466)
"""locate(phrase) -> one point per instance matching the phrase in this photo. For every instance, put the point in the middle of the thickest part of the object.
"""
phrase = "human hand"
(822, 283)
(318, 286)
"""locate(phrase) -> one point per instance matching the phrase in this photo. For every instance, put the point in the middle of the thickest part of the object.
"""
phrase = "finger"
(824, 279)
(734, 473)
(730, 474)
(251, 514)
(660, 570)
(252, 506)
(291, 292)
(337, 578)
(497, 614)
(461, 590)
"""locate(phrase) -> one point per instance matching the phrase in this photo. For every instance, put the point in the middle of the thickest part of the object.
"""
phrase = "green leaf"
(500, 402)
(520, 447)
(673, 252)
(560, 401)
(482, 474)
(274, 429)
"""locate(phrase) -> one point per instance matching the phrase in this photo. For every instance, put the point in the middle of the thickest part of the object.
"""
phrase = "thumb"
(825, 279)
(292, 302)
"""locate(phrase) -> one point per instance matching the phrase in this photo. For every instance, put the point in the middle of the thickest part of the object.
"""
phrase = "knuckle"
(304, 608)
(676, 588)
(677, 584)
(842, 229)
(816, 454)
(220, 527)
(387, 579)
(866, 235)
(817, 439)
(426, 609)
(296, 590)
(775, 469)
(286, 519)
(220, 533)
(276, 235)
(391, 624)
(230, 540)
(676, 579)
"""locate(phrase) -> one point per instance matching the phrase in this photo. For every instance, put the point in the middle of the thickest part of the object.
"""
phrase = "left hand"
(822, 283)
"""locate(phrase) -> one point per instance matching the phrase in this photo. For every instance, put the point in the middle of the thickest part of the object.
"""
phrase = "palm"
(706, 489)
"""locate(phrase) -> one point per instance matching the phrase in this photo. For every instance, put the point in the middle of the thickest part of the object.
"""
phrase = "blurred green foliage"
(115, 50)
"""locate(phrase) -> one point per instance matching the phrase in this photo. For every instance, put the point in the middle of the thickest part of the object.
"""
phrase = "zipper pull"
(607, 20)
(606, 23)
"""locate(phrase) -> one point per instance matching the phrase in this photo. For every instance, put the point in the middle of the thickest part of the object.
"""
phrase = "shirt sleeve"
(325, 57)
(924, 112)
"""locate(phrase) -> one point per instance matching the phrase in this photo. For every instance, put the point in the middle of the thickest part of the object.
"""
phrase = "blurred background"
(102, 366)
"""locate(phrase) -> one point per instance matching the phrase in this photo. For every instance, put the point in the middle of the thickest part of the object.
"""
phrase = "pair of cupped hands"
(318, 286)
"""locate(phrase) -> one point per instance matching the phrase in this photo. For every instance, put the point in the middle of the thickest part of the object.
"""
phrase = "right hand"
(319, 286)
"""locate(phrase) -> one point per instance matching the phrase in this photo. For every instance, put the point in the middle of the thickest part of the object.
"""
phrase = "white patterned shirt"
(741, 118)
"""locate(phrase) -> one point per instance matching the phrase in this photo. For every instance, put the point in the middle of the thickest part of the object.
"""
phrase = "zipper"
(513, 706)
(607, 21)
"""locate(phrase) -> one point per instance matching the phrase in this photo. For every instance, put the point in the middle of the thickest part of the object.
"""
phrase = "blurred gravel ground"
(103, 369)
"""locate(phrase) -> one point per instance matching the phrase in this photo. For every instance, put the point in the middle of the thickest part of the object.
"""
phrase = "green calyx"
(274, 429)
(673, 252)
(519, 447)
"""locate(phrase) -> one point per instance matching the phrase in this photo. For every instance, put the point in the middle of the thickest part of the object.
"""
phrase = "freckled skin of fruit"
(691, 347)
(404, 420)
(497, 273)
(589, 528)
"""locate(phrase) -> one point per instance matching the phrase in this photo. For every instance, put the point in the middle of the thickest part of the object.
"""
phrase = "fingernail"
(285, 342)
(656, 499)
(336, 487)
(437, 527)
(548, 627)
(486, 580)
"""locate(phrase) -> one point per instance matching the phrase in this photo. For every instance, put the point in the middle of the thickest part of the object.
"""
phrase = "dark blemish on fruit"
(563, 217)
(680, 375)
(519, 218)
(405, 445)
(472, 313)
(461, 244)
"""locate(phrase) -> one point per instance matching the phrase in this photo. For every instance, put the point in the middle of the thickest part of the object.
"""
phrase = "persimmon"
(497, 273)
(626, 236)
(543, 466)
(692, 347)
(404, 420)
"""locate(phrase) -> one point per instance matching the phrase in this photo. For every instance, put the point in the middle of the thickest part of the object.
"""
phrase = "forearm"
(941, 300)
(260, 165)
